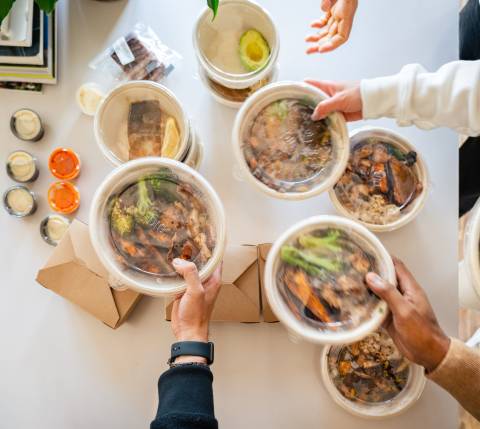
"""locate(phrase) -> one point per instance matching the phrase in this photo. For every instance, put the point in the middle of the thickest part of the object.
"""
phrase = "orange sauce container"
(64, 164)
(63, 197)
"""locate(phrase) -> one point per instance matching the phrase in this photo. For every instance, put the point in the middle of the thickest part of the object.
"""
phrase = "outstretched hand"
(334, 27)
(344, 97)
(412, 325)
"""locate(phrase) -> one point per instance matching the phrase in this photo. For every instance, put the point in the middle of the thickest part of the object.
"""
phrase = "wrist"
(439, 349)
(193, 335)
(189, 359)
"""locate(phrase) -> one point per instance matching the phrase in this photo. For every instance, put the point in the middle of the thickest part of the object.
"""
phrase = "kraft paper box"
(239, 296)
(268, 315)
(74, 272)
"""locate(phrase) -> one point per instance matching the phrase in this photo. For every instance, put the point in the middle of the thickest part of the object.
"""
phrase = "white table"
(60, 368)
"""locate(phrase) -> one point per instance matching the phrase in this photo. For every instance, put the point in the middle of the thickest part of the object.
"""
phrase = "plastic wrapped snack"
(140, 55)
(371, 378)
(385, 182)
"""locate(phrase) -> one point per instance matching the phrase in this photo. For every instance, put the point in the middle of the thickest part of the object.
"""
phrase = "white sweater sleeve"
(449, 97)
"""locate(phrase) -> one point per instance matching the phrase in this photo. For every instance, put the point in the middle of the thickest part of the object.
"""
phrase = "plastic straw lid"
(111, 119)
(139, 220)
(401, 216)
(241, 15)
(320, 174)
(402, 401)
(298, 319)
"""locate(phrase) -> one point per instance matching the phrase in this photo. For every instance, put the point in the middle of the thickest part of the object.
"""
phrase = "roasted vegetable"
(122, 222)
(329, 241)
(144, 212)
(312, 264)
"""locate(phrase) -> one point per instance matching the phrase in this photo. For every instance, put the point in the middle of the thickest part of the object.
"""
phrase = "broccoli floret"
(164, 185)
(144, 212)
(329, 241)
(121, 221)
(313, 265)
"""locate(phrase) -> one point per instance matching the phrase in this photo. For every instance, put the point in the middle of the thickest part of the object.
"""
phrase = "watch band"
(192, 348)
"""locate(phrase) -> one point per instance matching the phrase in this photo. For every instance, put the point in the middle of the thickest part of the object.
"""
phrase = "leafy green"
(330, 241)
(46, 5)
(213, 4)
(122, 222)
(313, 265)
(5, 6)
(144, 212)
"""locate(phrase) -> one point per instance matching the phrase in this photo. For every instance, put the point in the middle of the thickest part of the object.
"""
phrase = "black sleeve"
(185, 399)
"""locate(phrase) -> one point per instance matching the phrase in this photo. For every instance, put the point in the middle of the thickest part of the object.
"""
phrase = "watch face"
(193, 348)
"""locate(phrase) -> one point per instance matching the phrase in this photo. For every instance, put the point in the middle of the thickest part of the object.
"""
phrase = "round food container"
(140, 119)
(26, 125)
(22, 167)
(315, 280)
(64, 164)
(63, 197)
(386, 181)
(349, 373)
(288, 168)
(469, 267)
(148, 212)
(53, 228)
(19, 201)
(237, 52)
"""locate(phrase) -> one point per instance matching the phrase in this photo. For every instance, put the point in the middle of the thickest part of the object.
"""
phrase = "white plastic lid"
(166, 210)
(341, 327)
(322, 169)
(154, 103)
(370, 196)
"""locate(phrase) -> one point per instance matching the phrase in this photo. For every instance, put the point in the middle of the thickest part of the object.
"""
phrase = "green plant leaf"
(5, 6)
(212, 4)
(46, 5)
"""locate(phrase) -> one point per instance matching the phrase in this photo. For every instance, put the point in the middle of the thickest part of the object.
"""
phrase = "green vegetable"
(279, 109)
(254, 50)
(144, 212)
(330, 241)
(213, 4)
(164, 184)
(396, 152)
(121, 221)
(313, 265)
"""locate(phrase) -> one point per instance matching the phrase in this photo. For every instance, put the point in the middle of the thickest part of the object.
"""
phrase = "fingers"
(406, 281)
(389, 293)
(327, 5)
(327, 106)
(333, 43)
(327, 86)
(189, 272)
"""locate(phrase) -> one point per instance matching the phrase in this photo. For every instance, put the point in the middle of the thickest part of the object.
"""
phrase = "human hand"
(192, 310)
(344, 97)
(412, 324)
(335, 25)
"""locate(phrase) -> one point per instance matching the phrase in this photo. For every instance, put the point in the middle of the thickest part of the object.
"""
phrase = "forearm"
(459, 374)
(449, 97)
(185, 399)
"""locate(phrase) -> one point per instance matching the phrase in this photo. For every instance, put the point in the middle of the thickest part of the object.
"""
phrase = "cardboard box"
(268, 315)
(74, 272)
(242, 296)
(239, 297)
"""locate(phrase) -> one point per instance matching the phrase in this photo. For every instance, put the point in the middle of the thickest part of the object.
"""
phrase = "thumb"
(327, 106)
(386, 291)
(188, 270)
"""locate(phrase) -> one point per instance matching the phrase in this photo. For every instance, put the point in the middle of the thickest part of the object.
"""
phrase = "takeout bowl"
(241, 15)
(413, 209)
(111, 118)
(115, 182)
(410, 394)
(309, 333)
(312, 96)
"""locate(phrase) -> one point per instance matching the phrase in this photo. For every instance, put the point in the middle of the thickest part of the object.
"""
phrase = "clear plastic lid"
(149, 212)
(139, 119)
(371, 378)
(285, 152)
(385, 180)
(315, 280)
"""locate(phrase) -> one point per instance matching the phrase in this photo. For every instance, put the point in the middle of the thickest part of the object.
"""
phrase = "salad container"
(317, 179)
(311, 297)
(469, 267)
(131, 122)
(148, 212)
(216, 46)
(412, 384)
(402, 214)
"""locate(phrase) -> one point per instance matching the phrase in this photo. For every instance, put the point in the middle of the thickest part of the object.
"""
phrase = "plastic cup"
(415, 207)
(307, 93)
(117, 181)
(110, 124)
(228, 85)
(363, 237)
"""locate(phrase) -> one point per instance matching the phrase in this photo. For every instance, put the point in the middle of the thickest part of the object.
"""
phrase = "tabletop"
(61, 368)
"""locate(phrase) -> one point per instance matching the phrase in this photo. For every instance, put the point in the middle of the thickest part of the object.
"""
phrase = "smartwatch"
(192, 348)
